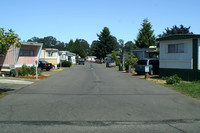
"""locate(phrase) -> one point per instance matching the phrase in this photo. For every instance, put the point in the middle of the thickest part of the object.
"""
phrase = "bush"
(27, 70)
(13, 73)
(114, 57)
(32, 70)
(131, 60)
(24, 71)
(65, 64)
(173, 79)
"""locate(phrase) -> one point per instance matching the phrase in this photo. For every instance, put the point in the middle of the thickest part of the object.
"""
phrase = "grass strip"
(189, 88)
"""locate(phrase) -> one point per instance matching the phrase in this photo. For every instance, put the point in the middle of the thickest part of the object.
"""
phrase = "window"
(179, 48)
(176, 48)
(142, 62)
(50, 53)
(171, 48)
(153, 62)
(24, 52)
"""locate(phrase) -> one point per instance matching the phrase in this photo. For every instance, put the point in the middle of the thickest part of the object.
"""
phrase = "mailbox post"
(147, 76)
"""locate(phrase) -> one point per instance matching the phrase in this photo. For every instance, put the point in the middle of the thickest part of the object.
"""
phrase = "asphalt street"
(92, 98)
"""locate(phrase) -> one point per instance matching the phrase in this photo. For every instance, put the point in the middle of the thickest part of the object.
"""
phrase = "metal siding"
(195, 52)
(198, 54)
(176, 60)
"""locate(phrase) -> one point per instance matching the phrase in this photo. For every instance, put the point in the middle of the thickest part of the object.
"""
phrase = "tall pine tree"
(106, 43)
(145, 36)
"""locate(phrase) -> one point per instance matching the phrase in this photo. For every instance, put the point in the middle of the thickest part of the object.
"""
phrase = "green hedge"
(65, 64)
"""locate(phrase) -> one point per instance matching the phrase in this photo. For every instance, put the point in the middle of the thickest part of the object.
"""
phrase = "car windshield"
(112, 62)
(82, 60)
(142, 62)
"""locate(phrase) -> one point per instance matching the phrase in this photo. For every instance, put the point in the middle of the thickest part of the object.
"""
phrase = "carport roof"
(179, 37)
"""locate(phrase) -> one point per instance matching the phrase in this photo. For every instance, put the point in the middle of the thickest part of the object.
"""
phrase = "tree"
(131, 60)
(85, 45)
(114, 57)
(76, 47)
(145, 36)
(129, 45)
(8, 39)
(175, 30)
(49, 42)
(94, 49)
(60, 45)
(106, 43)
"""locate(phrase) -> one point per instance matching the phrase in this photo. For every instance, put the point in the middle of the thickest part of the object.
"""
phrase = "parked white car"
(111, 64)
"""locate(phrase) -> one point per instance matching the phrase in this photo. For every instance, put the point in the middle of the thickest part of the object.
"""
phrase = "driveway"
(14, 84)
(93, 98)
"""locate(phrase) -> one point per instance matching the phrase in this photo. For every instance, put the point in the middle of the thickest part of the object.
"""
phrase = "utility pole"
(121, 42)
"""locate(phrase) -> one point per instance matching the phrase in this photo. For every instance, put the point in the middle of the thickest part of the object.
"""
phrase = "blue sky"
(83, 19)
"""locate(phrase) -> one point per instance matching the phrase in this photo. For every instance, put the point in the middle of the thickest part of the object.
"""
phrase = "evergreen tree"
(106, 43)
(85, 45)
(129, 45)
(145, 36)
(76, 47)
(176, 30)
(70, 45)
(94, 49)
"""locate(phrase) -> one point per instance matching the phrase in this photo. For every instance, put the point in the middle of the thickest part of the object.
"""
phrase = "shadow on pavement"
(6, 89)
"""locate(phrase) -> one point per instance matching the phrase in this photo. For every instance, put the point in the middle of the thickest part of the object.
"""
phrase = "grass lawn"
(2, 94)
(189, 88)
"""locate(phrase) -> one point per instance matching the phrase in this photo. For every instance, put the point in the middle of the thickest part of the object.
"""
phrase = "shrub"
(24, 71)
(173, 79)
(77, 60)
(131, 60)
(13, 73)
(65, 64)
(114, 57)
(32, 70)
(27, 70)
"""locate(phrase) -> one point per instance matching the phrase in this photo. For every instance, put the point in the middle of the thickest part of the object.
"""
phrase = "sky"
(84, 19)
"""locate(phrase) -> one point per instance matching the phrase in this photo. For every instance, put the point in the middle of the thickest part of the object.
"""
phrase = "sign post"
(36, 68)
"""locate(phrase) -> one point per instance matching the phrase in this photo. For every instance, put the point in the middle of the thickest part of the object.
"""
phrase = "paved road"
(92, 98)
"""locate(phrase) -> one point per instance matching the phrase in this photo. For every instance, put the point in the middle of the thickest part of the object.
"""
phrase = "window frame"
(26, 52)
(178, 48)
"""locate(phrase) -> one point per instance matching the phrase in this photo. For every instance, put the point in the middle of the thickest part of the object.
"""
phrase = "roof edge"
(179, 37)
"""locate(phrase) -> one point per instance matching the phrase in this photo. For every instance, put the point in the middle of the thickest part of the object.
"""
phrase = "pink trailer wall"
(9, 58)
(12, 54)
(29, 60)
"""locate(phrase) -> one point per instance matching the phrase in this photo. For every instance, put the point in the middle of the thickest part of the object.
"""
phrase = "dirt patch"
(42, 76)
(158, 81)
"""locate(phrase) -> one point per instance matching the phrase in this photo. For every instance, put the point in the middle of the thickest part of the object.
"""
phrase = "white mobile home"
(180, 54)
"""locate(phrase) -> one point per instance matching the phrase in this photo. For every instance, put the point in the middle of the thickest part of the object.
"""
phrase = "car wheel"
(47, 69)
(151, 72)
(138, 73)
